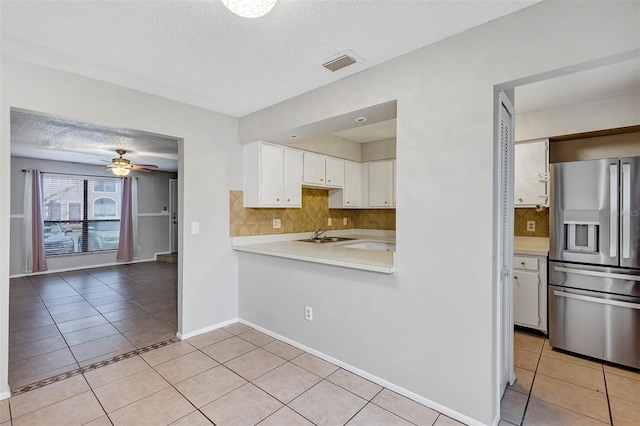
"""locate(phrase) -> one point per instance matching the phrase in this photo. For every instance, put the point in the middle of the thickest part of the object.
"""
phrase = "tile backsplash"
(312, 216)
(523, 215)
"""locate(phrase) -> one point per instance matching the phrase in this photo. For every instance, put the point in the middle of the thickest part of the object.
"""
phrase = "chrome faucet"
(319, 233)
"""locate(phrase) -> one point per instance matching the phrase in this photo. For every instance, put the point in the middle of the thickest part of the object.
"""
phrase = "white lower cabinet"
(529, 291)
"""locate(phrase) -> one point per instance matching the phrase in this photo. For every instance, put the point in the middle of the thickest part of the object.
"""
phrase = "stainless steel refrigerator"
(594, 259)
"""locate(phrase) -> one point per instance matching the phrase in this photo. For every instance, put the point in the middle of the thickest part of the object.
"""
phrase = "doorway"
(503, 300)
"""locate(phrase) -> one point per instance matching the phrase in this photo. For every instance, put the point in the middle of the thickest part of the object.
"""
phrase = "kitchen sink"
(327, 240)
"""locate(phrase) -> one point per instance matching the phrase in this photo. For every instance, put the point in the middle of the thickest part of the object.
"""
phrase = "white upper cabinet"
(381, 183)
(531, 170)
(272, 176)
(349, 197)
(334, 172)
(320, 170)
(292, 187)
(313, 166)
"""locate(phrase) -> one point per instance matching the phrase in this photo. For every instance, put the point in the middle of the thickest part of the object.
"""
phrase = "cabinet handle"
(277, 199)
(321, 179)
(348, 202)
(386, 202)
(520, 199)
(515, 277)
(523, 263)
(288, 199)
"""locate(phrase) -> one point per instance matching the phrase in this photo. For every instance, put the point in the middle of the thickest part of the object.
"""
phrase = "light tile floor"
(230, 376)
(60, 322)
(558, 388)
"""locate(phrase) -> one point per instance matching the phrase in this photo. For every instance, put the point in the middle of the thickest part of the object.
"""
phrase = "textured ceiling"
(200, 53)
(53, 138)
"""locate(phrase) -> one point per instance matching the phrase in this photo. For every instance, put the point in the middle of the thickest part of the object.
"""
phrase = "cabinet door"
(531, 168)
(334, 172)
(381, 184)
(292, 185)
(313, 171)
(351, 184)
(526, 286)
(271, 175)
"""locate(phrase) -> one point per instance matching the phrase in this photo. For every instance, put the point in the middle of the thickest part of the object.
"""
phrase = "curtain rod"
(76, 174)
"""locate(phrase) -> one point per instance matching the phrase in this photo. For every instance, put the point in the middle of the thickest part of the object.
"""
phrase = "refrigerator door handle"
(626, 210)
(597, 274)
(596, 300)
(613, 210)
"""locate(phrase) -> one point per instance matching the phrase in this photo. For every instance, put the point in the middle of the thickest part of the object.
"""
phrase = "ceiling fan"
(121, 166)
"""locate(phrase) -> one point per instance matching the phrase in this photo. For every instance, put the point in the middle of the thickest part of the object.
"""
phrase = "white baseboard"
(78, 268)
(5, 395)
(382, 382)
(206, 329)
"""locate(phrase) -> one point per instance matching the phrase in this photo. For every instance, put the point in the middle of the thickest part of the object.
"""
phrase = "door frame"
(508, 88)
(173, 239)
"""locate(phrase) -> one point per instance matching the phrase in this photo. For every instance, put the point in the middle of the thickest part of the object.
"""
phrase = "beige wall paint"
(624, 145)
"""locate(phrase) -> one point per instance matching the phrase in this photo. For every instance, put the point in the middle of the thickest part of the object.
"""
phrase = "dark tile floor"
(59, 322)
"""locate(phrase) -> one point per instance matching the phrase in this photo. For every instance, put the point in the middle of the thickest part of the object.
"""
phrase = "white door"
(504, 242)
(173, 214)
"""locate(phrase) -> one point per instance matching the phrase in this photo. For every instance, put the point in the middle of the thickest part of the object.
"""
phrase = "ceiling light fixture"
(293, 136)
(120, 171)
(250, 8)
(360, 119)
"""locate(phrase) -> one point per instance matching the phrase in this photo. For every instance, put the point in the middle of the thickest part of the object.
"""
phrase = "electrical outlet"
(344, 221)
(308, 313)
(329, 222)
(531, 225)
(277, 223)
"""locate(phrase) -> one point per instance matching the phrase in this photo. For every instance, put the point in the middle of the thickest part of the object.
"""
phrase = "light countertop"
(327, 253)
(532, 246)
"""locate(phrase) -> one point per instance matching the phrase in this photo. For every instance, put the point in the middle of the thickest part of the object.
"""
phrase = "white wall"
(153, 196)
(431, 329)
(609, 113)
(333, 145)
(379, 150)
(209, 167)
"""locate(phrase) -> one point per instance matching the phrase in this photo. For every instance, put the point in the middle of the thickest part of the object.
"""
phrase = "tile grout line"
(90, 367)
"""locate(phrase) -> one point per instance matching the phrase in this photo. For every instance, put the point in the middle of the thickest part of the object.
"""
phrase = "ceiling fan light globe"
(250, 8)
(120, 171)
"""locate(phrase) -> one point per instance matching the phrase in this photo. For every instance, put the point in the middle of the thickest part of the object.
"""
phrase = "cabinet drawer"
(527, 263)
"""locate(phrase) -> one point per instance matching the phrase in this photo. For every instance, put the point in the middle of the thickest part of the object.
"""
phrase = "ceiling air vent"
(341, 60)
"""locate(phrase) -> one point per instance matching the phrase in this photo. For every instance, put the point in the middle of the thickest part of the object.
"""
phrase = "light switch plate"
(195, 227)
(531, 225)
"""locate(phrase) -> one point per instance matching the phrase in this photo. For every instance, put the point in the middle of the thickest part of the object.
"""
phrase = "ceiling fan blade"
(149, 166)
(143, 169)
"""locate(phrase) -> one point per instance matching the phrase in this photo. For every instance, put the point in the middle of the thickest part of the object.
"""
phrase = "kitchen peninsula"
(293, 246)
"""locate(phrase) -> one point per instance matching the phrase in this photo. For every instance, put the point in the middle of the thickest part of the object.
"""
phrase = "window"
(78, 218)
(105, 185)
(104, 207)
